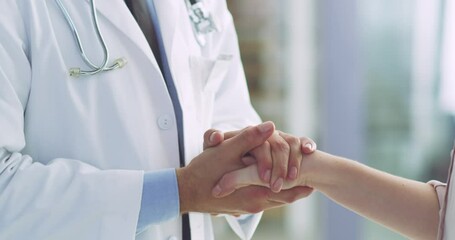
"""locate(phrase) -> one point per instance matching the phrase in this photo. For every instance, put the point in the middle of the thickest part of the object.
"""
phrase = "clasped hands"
(244, 171)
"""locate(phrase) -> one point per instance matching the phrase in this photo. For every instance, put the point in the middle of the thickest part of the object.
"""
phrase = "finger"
(237, 179)
(249, 139)
(273, 200)
(212, 138)
(249, 160)
(295, 155)
(263, 156)
(291, 195)
(228, 135)
(308, 145)
(280, 155)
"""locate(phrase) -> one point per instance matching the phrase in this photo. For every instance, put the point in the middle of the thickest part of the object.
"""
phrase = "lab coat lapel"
(168, 13)
(116, 12)
(177, 36)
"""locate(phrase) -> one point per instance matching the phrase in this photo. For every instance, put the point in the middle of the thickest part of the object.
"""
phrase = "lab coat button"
(165, 122)
(172, 238)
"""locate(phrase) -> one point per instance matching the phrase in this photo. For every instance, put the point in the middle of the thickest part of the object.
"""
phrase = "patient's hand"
(278, 159)
(245, 177)
(250, 176)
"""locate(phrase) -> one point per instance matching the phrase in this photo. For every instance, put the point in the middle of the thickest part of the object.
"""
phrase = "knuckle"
(293, 141)
(282, 146)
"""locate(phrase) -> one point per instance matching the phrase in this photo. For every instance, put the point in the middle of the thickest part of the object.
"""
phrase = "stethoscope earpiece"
(118, 63)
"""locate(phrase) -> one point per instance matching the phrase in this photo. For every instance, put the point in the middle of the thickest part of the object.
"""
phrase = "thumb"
(212, 138)
(237, 179)
(231, 134)
(250, 138)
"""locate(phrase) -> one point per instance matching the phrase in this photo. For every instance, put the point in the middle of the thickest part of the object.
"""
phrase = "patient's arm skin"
(406, 206)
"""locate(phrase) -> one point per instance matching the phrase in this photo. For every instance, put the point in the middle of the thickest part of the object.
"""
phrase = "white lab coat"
(73, 150)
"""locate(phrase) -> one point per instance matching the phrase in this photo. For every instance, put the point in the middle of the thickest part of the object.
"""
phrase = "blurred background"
(368, 80)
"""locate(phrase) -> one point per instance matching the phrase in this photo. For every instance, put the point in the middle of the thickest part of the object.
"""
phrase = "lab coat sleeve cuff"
(245, 225)
(160, 198)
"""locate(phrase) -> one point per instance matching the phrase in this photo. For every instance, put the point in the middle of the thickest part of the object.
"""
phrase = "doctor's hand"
(278, 159)
(197, 180)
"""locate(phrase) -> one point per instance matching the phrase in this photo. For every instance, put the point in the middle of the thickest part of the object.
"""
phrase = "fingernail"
(309, 146)
(266, 176)
(293, 173)
(277, 185)
(216, 191)
(265, 127)
(212, 137)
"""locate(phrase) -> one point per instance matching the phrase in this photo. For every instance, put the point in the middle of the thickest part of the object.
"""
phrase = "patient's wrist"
(318, 170)
(325, 172)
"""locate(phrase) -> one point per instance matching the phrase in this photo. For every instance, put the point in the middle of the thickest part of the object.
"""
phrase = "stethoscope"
(201, 19)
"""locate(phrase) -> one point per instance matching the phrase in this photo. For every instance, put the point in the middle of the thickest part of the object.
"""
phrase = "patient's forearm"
(404, 205)
(407, 206)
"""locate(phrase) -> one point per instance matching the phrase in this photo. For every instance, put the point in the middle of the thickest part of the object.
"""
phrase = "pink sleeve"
(440, 189)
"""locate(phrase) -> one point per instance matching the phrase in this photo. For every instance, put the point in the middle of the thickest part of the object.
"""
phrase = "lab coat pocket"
(207, 75)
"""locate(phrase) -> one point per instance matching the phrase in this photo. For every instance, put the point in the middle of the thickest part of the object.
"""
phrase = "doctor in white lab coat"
(73, 151)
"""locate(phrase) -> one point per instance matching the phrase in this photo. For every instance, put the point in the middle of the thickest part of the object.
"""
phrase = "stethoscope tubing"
(197, 16)
(94, 68)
